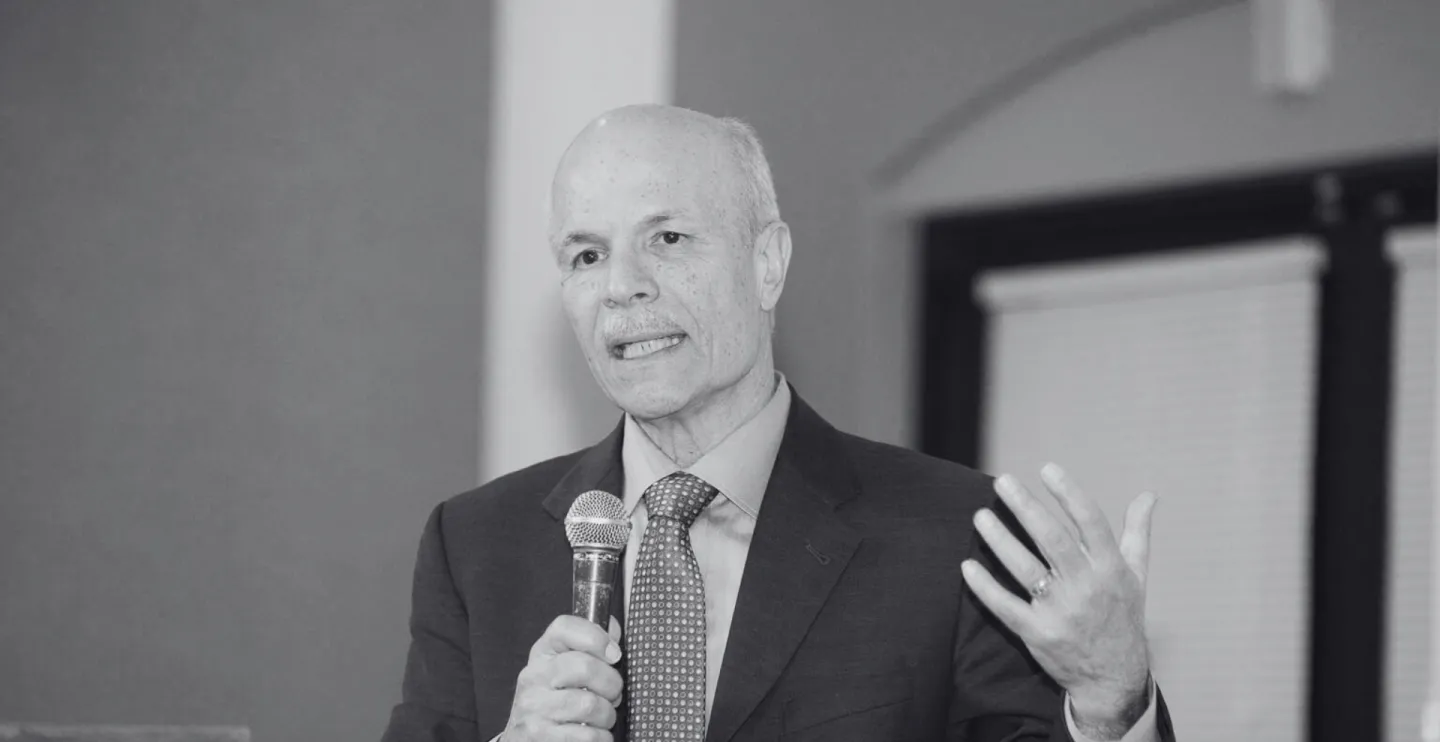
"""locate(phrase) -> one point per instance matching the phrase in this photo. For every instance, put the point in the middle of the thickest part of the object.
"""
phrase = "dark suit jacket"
(852, 621)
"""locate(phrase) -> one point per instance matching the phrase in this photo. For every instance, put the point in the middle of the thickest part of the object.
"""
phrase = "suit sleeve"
(438, 693)
(1000, 694)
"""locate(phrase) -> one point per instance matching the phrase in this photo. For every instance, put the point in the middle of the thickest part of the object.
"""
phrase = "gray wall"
(239, 317)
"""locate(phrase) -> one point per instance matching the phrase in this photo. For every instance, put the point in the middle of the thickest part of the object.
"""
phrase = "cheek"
(579, 300)
(726, 310)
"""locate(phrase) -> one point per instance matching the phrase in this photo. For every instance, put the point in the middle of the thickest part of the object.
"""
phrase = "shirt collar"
(739, 466)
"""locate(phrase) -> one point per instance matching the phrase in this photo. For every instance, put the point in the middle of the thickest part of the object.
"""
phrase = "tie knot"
(679, 497)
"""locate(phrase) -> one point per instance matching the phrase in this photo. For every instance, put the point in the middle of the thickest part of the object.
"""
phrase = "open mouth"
(643, 348)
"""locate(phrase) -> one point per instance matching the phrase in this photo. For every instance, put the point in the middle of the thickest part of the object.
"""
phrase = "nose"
(631, 280)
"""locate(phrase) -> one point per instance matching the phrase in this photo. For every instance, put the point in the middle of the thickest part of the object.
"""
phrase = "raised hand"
(1084, 621)
(570, 689)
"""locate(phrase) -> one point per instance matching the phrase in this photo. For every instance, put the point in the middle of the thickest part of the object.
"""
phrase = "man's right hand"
(570, 689)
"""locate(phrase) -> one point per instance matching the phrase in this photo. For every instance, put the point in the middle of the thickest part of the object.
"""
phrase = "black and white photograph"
(719, 371)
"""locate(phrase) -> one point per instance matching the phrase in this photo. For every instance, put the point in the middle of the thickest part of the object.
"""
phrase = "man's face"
(658, 279)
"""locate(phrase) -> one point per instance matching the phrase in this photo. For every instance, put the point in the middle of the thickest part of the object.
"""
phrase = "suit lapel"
(799, 549)
(598, 468)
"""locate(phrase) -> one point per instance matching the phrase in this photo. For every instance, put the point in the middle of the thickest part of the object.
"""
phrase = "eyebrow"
(656, 220)
(581, 238)
(649, 222)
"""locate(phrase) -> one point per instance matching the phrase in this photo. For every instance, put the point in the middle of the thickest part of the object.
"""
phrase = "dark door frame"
(1347, 207)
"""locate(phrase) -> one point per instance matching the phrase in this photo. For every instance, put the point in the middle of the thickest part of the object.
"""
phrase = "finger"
(1135, 540)
(575, 634)
(574, 706)
(1012, 611)
(1089, 520)
(583, 671)
(1017, 559)
(615, 632)
(1056, 544)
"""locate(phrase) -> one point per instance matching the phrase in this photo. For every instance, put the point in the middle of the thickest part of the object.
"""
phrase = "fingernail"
(612, 652)
(1006, 484)
(968, 567)
(1053, 472)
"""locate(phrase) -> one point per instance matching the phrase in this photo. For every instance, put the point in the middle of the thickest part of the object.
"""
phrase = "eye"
(586, 257)
(671, 238)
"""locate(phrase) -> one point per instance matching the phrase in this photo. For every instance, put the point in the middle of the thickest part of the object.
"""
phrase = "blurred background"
(273, 282)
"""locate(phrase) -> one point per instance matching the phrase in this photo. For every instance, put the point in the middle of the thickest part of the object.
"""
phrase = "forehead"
(615, 186)
(619, 181)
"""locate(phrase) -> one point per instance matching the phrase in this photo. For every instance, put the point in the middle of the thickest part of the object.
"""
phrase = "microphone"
(598, 531)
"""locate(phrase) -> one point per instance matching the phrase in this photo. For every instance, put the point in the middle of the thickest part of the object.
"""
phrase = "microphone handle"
(594, 583)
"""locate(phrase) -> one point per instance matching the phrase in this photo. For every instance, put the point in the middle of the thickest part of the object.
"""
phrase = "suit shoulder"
(909, 478)
(911, 465)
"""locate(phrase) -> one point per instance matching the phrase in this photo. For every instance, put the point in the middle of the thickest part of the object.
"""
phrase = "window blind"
(1410, 572)
(1192, 376)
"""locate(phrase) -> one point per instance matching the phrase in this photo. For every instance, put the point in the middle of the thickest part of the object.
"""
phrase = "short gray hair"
(756, 190)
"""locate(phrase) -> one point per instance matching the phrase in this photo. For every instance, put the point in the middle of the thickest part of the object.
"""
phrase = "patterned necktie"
(665, 641)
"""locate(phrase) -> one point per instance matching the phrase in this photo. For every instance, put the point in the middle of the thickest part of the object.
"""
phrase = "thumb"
(615, 629)
(1135, 541)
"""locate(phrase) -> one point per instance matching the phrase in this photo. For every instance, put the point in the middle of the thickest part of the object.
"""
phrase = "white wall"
(538, 399)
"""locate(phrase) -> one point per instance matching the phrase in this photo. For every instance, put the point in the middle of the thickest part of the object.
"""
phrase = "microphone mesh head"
(597, 519)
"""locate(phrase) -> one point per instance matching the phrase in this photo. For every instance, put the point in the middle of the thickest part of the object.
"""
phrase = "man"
(783, 579)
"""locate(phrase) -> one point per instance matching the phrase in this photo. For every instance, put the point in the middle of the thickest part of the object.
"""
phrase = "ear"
(772, 260)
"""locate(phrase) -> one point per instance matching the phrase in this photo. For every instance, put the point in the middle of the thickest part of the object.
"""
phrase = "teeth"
(646, 347)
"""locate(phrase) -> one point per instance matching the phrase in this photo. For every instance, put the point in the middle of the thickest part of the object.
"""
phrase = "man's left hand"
(1085, 620)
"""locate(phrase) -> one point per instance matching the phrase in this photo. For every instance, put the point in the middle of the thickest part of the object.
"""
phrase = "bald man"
(783, 579)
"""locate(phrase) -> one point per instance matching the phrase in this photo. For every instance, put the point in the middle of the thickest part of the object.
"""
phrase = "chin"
(650, 401)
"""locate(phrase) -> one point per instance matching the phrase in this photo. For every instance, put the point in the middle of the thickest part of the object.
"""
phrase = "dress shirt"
(739, 467)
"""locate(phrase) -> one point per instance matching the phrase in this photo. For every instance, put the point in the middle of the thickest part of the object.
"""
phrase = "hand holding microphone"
(570, 688)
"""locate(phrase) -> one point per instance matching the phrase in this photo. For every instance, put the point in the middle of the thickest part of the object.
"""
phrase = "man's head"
(672, 255)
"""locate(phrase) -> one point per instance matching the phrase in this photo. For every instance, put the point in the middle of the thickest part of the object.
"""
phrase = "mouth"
(635, 349)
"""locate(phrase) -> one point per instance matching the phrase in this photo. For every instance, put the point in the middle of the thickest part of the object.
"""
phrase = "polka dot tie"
(665, 641)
